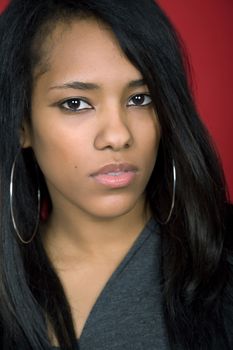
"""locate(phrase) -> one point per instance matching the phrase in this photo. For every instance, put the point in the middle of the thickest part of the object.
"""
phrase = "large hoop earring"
(173, 196)
(12, 209)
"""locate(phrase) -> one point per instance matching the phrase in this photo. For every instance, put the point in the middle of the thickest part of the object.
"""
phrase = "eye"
(140, 100)
(75, 105)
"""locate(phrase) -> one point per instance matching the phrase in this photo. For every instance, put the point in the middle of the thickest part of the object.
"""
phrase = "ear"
(25, 135)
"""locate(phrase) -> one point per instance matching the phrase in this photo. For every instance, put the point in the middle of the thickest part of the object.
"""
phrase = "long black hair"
(196, 270)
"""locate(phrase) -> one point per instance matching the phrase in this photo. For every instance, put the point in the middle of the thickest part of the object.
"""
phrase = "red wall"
(3, 3)
(206, 27)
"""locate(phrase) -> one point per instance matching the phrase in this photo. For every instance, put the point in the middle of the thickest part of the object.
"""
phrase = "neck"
(70, 236)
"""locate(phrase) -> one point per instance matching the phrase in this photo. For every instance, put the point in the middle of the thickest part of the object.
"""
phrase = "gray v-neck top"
(128, 313)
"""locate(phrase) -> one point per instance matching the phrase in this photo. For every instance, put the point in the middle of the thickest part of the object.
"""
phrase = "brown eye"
(75, 105)
(140, 100)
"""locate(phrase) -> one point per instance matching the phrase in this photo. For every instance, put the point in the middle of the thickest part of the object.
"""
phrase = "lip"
(114, 168)
(115, 175)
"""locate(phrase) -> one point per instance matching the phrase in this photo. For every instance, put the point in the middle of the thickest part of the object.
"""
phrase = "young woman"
(115, 228)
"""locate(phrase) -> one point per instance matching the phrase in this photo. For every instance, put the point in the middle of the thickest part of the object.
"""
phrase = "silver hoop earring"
(173, 195)
(12, 210)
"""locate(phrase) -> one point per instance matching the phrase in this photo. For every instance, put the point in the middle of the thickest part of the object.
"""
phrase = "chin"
(117, 207)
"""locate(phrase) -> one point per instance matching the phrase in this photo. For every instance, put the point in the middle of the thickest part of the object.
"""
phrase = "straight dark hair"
(196, 270)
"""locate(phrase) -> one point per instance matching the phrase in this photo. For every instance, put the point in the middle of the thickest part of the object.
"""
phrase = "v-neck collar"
(142, 237)
(144, 234)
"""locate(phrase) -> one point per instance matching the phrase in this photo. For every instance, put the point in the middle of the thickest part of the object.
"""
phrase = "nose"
(113, 131)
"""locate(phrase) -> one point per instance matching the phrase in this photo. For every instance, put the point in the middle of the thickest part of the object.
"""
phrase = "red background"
(3, 3)
(206, 27)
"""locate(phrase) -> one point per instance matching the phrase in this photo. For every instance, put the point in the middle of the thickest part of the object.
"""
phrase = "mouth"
(115, 175)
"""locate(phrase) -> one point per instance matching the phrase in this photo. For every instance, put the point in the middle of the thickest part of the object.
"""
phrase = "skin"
(70, 145)
(91, 226)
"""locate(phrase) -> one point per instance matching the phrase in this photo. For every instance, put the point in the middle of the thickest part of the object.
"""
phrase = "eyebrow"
(79, 85)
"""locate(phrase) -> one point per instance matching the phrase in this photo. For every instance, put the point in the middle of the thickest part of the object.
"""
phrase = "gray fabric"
(128, 313)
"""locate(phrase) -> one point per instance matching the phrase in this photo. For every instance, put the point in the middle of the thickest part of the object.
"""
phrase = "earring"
(173, 195)
(12, 210)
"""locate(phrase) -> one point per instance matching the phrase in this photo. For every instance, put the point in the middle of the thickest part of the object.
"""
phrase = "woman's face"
(93, 128)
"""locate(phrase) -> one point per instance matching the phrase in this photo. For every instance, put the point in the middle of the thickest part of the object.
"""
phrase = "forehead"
(84, 45)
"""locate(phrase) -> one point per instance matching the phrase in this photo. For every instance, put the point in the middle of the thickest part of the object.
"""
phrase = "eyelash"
(80, 101)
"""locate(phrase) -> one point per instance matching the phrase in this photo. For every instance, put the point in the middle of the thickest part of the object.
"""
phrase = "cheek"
(56, 149)
(148, 138)
(48, 149)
